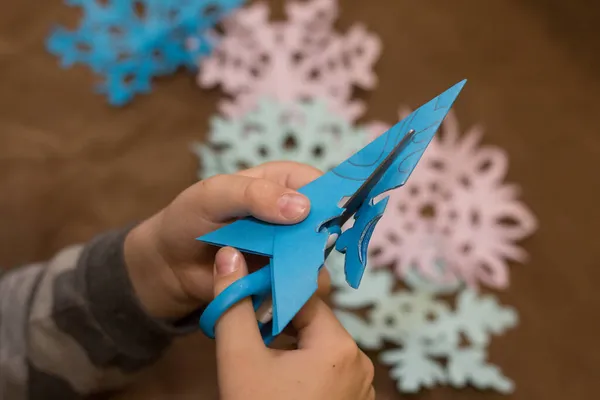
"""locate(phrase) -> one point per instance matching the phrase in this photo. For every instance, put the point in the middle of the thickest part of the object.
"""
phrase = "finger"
(324, 283)
(236, 332)
(317, 326)
(223, 197)
(368, 368)
(371, 394)
(287, 173)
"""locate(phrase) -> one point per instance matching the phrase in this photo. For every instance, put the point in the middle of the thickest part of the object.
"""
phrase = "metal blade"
(352, 204)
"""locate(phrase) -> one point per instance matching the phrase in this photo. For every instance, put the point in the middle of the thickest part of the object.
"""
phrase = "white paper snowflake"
(426, 329)
(303, 57)
(302, 131)
(455, 210)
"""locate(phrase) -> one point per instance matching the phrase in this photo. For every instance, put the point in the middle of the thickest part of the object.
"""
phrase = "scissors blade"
(354, 202)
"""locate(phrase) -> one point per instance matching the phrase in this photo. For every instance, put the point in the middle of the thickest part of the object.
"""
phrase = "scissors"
(354, 190)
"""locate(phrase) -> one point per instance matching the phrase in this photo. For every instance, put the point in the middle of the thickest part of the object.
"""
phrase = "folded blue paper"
(297, 252)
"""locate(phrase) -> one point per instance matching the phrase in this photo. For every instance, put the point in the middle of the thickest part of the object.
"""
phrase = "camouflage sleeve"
(73, 326)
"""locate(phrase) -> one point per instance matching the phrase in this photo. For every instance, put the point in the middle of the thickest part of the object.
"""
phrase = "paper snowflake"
(303, 131)
(300, 58)
(131, 41)
(455, 210)
(426, 329)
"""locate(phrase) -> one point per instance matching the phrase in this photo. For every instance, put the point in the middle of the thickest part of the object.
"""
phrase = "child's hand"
(326, 366)
(172, 272)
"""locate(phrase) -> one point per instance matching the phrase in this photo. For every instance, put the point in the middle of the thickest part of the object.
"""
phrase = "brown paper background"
(71, 166)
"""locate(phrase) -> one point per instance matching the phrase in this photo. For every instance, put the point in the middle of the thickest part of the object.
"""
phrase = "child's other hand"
(326, 366)
(171, 271)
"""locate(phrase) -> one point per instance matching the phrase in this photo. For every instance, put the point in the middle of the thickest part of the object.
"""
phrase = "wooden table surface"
(71, 166)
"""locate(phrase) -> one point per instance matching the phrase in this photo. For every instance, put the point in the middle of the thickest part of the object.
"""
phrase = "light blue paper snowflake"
(425, 328)
(131, 41)
(413, 369)
(306, 132)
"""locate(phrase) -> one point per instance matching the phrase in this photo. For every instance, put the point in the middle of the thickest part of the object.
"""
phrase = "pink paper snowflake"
(455, 211)
(303, 57)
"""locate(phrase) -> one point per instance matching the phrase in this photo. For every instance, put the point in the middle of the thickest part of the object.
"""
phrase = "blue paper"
(354, 242)
(297, 252)
(131, 41)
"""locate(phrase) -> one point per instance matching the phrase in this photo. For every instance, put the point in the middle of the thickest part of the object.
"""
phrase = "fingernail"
(292, 206)
(227, 261)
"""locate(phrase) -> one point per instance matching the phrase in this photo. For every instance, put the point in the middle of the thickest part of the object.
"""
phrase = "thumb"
(236, 332)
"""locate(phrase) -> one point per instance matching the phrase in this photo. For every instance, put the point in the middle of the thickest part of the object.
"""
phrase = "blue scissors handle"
(256, 285)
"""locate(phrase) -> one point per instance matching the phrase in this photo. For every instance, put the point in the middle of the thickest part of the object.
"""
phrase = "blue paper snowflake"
(131, 41)
(303, 131)
(425, 328)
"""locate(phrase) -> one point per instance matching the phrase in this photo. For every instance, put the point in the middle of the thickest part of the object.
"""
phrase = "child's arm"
(73, 326)
(93, 316)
